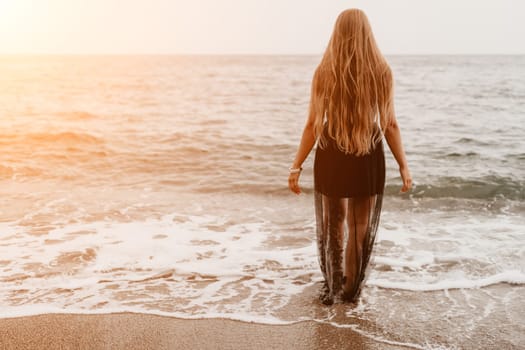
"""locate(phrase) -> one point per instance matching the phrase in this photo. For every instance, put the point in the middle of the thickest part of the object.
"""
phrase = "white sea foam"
(40, 309)
(197, 266)
(155, 262)
(511, 277)
(392, 262)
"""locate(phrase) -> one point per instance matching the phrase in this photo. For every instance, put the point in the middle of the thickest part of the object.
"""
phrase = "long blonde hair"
(352, 88)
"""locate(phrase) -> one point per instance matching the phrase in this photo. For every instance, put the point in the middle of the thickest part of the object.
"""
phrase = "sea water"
(158, 184)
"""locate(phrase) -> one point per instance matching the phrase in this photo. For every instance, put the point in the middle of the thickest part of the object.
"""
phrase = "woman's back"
(351, 108)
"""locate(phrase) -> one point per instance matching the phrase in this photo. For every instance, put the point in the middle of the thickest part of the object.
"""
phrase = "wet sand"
(141, 331)
(485, 318)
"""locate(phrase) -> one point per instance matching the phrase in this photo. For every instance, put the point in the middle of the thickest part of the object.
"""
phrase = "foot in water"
(324, 295)
(350, 296)
(328, 298)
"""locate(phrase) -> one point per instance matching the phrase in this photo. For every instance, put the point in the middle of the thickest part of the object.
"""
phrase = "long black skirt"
(348, 198)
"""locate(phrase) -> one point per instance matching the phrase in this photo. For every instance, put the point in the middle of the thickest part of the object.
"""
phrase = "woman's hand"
(406, 178)
(293, 182)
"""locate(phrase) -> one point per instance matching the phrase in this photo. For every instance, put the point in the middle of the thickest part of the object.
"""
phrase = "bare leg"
(334, 215)
(357, 246)
(320, 232)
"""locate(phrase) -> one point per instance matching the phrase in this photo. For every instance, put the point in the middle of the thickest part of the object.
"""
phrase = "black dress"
(348, 197)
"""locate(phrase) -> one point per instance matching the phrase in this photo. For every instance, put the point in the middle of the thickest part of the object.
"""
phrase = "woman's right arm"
(393, 138)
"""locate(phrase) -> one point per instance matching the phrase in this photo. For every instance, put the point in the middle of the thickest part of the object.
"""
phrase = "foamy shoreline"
(488, 318)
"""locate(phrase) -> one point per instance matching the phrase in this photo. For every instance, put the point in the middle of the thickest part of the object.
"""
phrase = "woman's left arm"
(305, 146)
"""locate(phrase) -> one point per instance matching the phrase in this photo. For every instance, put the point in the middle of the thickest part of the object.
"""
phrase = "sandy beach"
(408, 320)
(141, 331)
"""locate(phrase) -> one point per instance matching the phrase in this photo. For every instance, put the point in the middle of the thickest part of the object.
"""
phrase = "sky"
(255, 26)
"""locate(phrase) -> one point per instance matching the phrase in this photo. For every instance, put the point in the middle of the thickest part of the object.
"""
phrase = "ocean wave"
(77, 115)
(465, 154)
(517, 156)
(472, 141)
(7, 172)
(66, 137)
(514, 277)
(487, 187)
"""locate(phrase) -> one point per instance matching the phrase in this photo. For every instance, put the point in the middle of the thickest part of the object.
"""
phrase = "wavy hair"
(352, 87)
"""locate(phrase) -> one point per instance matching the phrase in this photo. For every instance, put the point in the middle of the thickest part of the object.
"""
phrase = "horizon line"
(235, 54)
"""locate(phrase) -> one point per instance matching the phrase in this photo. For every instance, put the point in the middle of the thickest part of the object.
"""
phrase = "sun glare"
(14, 16)
(8, 11)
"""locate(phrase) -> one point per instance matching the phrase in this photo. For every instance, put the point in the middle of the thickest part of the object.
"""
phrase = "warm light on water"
(158, 184)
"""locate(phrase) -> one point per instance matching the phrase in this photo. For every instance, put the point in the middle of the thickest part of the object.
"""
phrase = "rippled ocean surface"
(158, 184)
